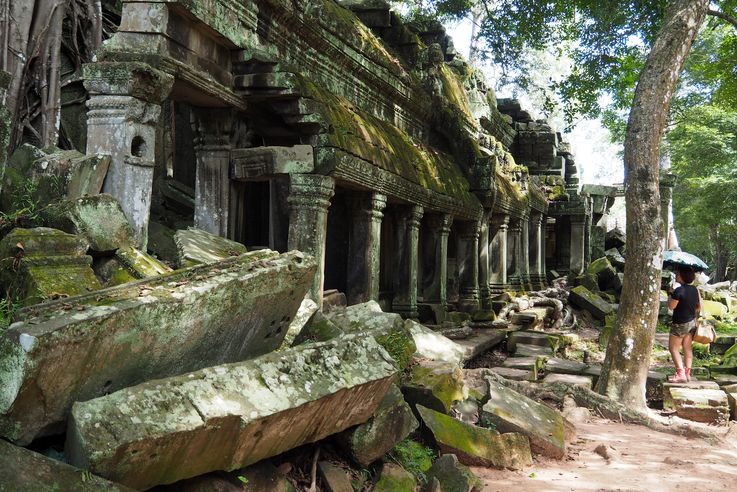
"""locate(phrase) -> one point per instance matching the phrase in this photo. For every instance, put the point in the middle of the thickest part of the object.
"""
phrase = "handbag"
(705, 332)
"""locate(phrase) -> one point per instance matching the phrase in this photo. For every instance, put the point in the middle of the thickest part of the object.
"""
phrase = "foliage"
(607, 43)
(703, 148)
(413, 457)
(7, 311)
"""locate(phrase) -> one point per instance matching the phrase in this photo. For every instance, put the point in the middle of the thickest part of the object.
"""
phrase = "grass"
(413, 457)
(7, 310)
(726, 328)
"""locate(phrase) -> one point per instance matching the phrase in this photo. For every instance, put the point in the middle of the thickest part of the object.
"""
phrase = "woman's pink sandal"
(679, 377)
(688, 374)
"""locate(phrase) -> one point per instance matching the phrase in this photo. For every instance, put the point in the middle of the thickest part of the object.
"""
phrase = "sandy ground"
(641, 460)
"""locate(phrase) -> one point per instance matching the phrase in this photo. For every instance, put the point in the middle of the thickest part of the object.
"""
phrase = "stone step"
(515, 374)
(532, 363)
(481, 341)
(724, 379)
(709, 406)
(527, 337)
(170, 429)
(525, 350)
(569, 379)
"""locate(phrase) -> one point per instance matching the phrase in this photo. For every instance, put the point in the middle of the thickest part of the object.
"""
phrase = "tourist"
(686, 304)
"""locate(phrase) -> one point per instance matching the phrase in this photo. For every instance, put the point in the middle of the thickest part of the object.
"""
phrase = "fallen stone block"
(477, 446)
(724, 379)
(261, 477)
(714, 309)
(22, 470)
(435, 385)
(588, 280)
(538, 338)
(306, 311)
(565, 366)
(569, 379)
(514, 374)
(615, 258)
(195, 247)
(604, 272)
(52, 174)
(700, 405)
(230, 416)
(535, 364)
(83, 347)
(478, 386)
(98, 218)
(510, 411)
(388, 329)
(585, 299)
(524, 350)
(42, 263)
(140, 264)
(432, 345)
(392, 422)
(481, 340)
(394, 478)
(335, 478)
(451, 475)
(318, 329)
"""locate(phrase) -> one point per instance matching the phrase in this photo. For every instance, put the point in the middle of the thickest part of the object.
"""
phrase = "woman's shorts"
(682, 329)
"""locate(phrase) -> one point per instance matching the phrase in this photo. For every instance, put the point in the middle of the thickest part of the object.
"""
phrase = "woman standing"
(686, 304)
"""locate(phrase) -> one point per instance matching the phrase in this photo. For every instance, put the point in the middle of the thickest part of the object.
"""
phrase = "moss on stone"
(400, 345)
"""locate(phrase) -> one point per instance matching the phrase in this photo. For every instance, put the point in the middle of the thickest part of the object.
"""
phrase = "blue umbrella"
(676, 258)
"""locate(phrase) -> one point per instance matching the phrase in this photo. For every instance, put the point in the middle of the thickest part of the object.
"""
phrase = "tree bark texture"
(628, 355)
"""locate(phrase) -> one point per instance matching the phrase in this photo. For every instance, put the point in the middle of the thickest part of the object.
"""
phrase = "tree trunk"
(628, 355)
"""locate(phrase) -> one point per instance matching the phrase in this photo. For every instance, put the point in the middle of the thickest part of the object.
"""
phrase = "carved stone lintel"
(267, 161)
(135, 79)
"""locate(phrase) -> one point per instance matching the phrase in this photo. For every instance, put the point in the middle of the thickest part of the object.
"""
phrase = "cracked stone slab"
(229, 416)
(86, 346)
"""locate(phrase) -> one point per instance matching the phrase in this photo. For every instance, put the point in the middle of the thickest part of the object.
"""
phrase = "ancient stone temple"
(347, 135)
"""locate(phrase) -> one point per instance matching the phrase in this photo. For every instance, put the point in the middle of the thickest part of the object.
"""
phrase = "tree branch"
(723, 16)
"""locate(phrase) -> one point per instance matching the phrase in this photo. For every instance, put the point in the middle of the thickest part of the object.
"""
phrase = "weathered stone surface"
(585, 299)
(306, 311)
(318, 328)
(388, 329)
(732, 401)
(513, 412)
(432, 345)
(569, 379)
(392, 422)
(481, 340)
(532, 338)
(22, 470)
(589, 281)
(525, 350)
(710, 406)
(42, 263)
(535, 364)
(615, 238)
(394, 478)
(435, 385)
(261, 477)
(604, 272)
(170, 429)
(565, 366)
(477, 446)
(515, 374)
(51, 175)
(99, 219)
(195, 246)
(86, 346)
(714, 309)
(335, 478)
(724, 379)
(140, 264)
(454, 476)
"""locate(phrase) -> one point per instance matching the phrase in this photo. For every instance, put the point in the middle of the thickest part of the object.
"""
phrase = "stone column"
(468, 265)
(514, 252)
(405, 282)
(499, 229)
(124, 108)
(438, 229)
(525, 254)
(578, 244)
(537, 248)
(309, 199)
(364, 247)
(212, 183)
(484, 258)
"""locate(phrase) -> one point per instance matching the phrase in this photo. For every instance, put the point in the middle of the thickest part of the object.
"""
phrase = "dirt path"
(641, 460)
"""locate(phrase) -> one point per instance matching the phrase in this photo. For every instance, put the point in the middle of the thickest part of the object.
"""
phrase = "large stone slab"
(585, 299)
(569, 379)
(432, 345)
(195, 246)
(22, 470)
(481, 340)
(524, 350)
(226, 417)
(392, 422)
(515, 374)
(87, 346)
(710, 406)
(477, 446)
(565, 366)
(453, 476)
(510, 411)
(436, 385)
(394, 478)
(538, 338)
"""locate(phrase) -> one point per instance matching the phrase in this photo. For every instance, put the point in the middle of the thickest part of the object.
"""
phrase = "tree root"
(610, 409)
